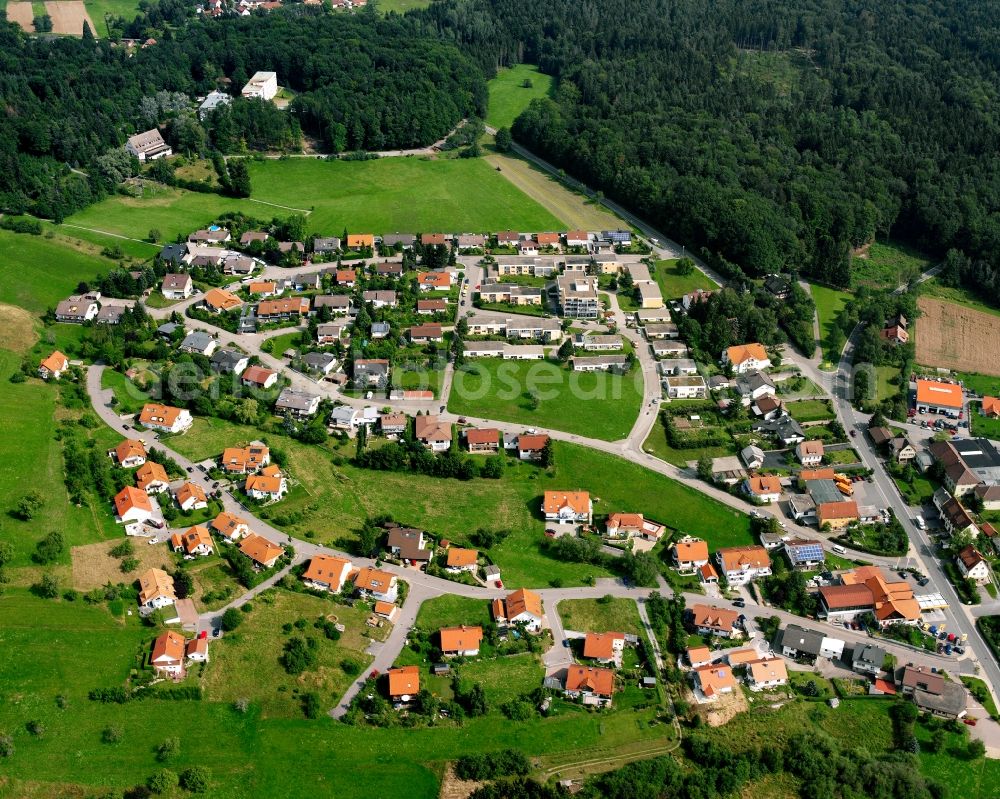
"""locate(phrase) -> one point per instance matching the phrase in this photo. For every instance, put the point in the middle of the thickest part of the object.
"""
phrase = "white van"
(919, 521)
(839, 549)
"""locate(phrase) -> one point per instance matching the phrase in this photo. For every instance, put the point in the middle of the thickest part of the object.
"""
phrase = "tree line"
(770, 134)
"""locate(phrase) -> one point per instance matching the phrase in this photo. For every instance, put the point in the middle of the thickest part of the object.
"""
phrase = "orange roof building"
(768, 673)
(743, 564)
(376, 583)
(936, 397)
(715, 620)
(461, 640)
(837, 514)
(191, 496)
(690, 553)
(262, 287)
(132, 505)
(763, 487)
(282, 308)
(434, 280)
(714, 680)
(404, 682)
(168, 653)
(568, 506)
(740, 657)
(53, 366)
(825, 473)
(747, 357)
(164, 417)
(604, 647)
(260, 550)
(156, 589)
(229, 526)
(991, 406)
(195, 541)
(624, 524)
(699, 656)
(894, 602)
(327, 572)
(586, 681)
(463, 559)
(220, 300)
(485, 439)
(243, 460)
(129, 453)
(152, 477)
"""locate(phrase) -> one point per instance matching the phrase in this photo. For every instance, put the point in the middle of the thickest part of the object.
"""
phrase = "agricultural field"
(594, 404)
(608, 615)
(957, 337)
(673, 285)
(887, 265)
(100, 9)
(829, 302)
(68, 17)
(509, 96)
(21, 13)
(957, 294)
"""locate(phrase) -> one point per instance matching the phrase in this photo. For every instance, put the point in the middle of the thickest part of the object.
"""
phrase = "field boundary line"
(109, 233)
(305, 211)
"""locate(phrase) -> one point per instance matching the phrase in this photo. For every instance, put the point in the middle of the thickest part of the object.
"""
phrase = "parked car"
(854, 433)
(740, 602)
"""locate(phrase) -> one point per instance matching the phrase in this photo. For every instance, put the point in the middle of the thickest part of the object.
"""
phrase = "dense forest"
(774, 133)
(360, 82)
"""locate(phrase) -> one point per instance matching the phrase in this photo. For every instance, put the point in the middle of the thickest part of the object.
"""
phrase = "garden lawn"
(984, 385)
(98, 9)
(656, 444)
(814, 410)
(828, 304)
(598, 616)
(409, 194)
(130, 398)
(37, 272)
(673, 285)
(918, 492)
(593, 404)
(452, 611)
(984, 426)
(246, 663)
(887, 385)
(968, 779)
(508, 97)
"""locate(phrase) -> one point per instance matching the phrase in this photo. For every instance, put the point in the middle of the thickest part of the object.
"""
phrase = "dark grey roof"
(823, 491)
(173, 253)
(318, 360)
(227, 359)
(800, 639)
(869, 653)
(295, 400)
(952, 701)
(198, 341)
(746, 384)
(405, 239)
(326, 243)
(977, 453)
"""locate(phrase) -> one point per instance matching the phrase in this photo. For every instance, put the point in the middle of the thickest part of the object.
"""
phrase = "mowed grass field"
(379, 196)
(593, 404)
(674, 285)
(600, 616)
(508, 95)
(334, 500)
(829, 302)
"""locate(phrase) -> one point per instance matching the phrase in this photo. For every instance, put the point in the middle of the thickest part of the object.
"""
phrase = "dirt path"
(23, 15)
(68, 17)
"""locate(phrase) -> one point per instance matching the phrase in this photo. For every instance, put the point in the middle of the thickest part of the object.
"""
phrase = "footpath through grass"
(509, 97)
(546, 394)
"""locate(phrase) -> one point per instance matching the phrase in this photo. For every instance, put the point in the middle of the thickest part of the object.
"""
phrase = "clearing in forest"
(955, 337)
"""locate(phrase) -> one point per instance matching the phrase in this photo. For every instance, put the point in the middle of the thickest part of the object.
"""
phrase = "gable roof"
(714, 617)
(523, 601)
(155, 583)
(768, 670)
(601, 646)
(746, 352)
(430, 428)
(460, 639)
(837, 597)
(845, 509)
(226, 523)
(369, 579)
(193, 538)
(190, 490)
(168, 646)
(259, 549)
(130, 448)
(483, 435)
(532, 443)
(129, 498)
(328, 569)
(714, 679)
(458, 557)
(150, 472)
(222, 299)
(762, 484)
(257, 374)
(971, 557)
(154, 413)
(737, 558)
(404, 681)
(56, 362)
